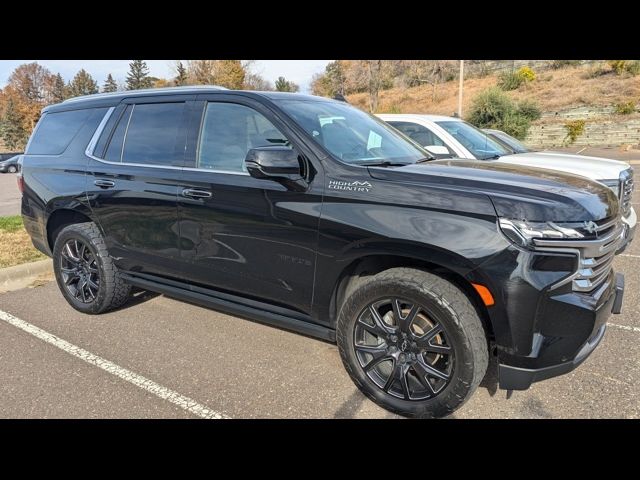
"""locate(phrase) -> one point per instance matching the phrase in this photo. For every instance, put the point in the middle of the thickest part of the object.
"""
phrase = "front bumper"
(629, 230)
(513, 377)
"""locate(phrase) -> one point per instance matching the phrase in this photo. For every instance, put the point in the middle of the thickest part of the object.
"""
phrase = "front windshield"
(476, 141)
(511, 142)
(352, 135)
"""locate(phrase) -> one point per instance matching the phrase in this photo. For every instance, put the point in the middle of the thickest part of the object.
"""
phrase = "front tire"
(412, 342)
(12, 169)
(86, 274)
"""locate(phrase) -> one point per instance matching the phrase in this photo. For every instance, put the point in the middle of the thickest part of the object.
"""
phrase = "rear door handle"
(104, 183)
(196, 193)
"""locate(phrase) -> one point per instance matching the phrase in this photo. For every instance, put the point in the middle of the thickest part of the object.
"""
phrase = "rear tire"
(12, 169)
(86, 274)
(428, 337)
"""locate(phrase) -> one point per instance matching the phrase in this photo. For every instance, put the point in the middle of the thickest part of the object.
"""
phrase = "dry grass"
(15, 244)
(553, 90)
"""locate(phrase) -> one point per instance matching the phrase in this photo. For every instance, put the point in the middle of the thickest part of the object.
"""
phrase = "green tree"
(110, 85)
(181, 77)
(82, 84)
(57, 89)
(138, 76)
(12, 132)
(284, 85)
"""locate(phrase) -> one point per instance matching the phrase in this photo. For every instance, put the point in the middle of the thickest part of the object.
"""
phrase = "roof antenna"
(340, 98)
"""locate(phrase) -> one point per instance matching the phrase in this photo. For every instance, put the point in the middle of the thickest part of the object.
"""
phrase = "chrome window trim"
(126, 131)
(96, 136)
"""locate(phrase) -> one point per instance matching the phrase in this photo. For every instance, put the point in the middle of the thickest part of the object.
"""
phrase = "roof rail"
(145, 91)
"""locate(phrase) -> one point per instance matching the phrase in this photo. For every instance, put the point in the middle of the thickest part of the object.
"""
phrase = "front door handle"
(104, 183)
(196, 193)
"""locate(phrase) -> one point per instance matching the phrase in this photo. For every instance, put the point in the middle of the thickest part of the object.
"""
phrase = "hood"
(517, 192)
(591, 167)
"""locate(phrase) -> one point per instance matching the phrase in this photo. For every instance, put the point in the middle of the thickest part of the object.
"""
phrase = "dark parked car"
(10, 163)
(308, 214)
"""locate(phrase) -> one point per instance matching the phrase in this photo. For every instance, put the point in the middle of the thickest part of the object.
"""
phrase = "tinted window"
(350, 134)
(419, 134)
(229, 131)
(476, 141)
(510, 142)
(114, 151)
(105, 135)
(56, 130)
(153, 135)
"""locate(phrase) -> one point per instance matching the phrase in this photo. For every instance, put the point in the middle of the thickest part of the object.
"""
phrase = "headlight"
(522, 232)
(613, 185)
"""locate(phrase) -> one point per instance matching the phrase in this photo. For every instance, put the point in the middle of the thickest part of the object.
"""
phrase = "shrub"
(527, 74)
(574, 128)
(633, 67)
(618, 66)
(513, 80)
(625, 108)
(509, 81)
(557, 64)
(530, 110)
(595, 72)
(492, 108)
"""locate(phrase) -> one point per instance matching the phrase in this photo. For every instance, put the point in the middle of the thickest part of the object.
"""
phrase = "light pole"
(460, 88)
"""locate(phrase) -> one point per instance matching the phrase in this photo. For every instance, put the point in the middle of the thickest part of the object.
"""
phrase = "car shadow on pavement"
(138, 296)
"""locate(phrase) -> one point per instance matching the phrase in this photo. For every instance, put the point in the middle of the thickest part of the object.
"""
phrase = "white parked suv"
(452, 137)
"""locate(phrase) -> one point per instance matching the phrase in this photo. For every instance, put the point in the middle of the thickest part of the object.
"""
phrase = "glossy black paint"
(287, 246)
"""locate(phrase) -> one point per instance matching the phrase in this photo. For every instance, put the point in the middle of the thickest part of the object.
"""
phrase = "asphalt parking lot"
(9, 195)
(161, 358)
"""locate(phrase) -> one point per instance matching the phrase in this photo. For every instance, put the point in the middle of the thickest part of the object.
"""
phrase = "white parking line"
(150, 386)
(624, 327)
(629, 255)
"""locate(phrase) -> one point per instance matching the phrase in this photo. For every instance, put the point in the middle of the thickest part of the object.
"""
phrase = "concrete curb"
(21, 276)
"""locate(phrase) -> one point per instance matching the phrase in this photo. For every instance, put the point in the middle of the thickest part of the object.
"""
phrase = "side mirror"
(274, 162)
(438, 150)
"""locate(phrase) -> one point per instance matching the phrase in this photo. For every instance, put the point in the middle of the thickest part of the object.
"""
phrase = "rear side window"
(149, 134)
(56, 130)
(153, 136)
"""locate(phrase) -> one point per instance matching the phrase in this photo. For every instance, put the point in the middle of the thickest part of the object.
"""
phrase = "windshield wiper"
(381, 163)
(426, 159)
(492, 157)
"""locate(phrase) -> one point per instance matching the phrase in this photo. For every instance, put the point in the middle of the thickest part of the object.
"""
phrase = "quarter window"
(114, 151)
(229, 131)
(56, 130)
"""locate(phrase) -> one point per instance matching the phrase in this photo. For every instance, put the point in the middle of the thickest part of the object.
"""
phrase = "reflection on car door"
(133, 183)
(247, 236)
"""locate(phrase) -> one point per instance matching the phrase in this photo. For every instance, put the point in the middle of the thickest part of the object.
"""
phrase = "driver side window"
(229, 131)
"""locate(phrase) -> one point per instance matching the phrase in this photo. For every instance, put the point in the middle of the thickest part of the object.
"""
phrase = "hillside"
(553, 90)
(567, 93)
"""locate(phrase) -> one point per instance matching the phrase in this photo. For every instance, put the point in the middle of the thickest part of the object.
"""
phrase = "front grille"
(595, 256)
(626, 191)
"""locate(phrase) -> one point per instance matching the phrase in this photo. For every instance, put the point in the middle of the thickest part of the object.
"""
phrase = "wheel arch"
(61, 218)
(372, 264)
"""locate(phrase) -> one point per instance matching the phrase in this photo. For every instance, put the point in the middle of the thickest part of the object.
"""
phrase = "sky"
(299, 71)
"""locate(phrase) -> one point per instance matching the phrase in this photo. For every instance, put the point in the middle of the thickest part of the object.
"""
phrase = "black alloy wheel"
(79, 271)
(403, 349)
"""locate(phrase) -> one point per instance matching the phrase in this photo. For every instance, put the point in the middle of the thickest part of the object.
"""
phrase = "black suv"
(308, 214)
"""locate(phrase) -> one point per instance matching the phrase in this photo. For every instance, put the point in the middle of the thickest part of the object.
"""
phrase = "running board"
(227, 306)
